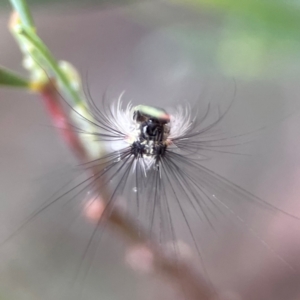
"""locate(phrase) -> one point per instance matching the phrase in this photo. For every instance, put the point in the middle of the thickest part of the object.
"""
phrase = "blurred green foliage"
(273, 16)
(258, 38)
(255, 38)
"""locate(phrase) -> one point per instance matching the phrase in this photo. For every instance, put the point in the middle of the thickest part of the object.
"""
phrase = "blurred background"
(159, 52)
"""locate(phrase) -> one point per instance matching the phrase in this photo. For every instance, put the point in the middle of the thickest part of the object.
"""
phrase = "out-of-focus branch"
(178, 272)
(61, 121)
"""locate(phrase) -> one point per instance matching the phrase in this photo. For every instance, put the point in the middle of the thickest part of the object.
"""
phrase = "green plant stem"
(25, 34)
(53, 66)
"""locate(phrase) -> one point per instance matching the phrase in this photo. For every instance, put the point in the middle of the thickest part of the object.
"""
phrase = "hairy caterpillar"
(145, 186)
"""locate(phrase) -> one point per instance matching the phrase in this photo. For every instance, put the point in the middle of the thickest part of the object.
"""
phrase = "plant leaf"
(9, 78)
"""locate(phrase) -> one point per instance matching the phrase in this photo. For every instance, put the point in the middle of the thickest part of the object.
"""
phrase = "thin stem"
(51, 63)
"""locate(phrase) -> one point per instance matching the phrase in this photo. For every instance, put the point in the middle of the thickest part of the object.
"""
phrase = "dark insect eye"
(153, 129)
